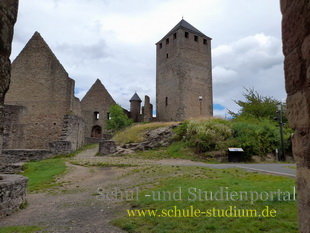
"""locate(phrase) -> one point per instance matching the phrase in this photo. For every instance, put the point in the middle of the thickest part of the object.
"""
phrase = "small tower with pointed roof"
(135, 106)
(183, 74)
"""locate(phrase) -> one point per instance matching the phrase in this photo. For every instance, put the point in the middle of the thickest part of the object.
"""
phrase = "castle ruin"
(41, 110)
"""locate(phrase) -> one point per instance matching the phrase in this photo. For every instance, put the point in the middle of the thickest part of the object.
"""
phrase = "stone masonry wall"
(12, 193)
(296, 49)
(8, 16)
(13, 130)
(48, 95)
(73, 131)
(97, 99)
(183, 73)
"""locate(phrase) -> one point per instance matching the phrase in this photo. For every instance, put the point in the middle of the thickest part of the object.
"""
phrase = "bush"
(205, 134)
(259, 136)
(119, 120)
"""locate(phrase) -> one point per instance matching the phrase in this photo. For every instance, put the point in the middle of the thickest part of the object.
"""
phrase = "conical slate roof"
(135, 97)
(187, 26)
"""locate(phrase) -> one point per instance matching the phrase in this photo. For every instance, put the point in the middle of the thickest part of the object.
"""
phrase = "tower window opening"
(174, 35)
(160, 45)
(108, 116)
(167, 41)
(166, 101)
(186, 34)
(204, 41)
(167, 55)
(196, 38)
(96, 114)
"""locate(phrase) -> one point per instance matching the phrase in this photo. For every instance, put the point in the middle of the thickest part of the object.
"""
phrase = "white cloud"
(113, 40)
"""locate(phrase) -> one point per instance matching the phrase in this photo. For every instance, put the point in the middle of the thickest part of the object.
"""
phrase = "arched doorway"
(96, 132)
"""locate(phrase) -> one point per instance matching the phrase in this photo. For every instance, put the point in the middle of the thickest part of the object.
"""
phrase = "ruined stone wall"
(12, 193)
(147, 110)
(73, 131)
(8, 16)
(40, 84)
(13, 133)
(97, 100)
(296, 48)
(183, 73)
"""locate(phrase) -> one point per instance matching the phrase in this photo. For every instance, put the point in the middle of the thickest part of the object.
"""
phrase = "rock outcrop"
(162, 136)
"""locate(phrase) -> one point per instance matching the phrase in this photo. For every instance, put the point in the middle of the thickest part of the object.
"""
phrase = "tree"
(118, 119)
(257, 106)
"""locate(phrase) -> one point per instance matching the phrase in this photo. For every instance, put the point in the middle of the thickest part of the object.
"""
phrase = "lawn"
(165, 197)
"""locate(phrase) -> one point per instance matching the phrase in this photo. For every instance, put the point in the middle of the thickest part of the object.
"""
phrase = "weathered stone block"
(12, 193)
(294, 72)
(107, 147)
(298, 110)
(294, 26)
(303, 189)
(305, 48)
(301, 146)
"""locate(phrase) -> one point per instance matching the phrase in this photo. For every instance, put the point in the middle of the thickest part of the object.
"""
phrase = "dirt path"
(75, 207)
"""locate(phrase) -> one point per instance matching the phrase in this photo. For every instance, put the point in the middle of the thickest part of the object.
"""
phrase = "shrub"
(256, 137)
(119, 119)
(205, 134)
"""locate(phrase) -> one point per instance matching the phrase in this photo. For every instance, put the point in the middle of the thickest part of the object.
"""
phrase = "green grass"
(207, 179)
(42, 174)
(136, 133)
(176, 150)
(20, 229)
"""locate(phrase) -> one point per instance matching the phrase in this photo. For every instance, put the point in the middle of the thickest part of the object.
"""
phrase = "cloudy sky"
(114, 40)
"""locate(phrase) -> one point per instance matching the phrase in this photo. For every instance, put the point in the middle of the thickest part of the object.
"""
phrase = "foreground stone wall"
(8, 15)
(12, 193)
(13, 130)
(296, 48)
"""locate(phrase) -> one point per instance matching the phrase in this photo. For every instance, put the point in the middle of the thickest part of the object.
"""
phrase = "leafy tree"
(118, 119)
(257, 106)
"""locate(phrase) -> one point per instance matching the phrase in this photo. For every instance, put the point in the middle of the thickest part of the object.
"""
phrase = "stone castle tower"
(135, 106)
(183, 74)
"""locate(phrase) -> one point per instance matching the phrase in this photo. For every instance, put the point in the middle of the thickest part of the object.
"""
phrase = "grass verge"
(206, 179)
(136, 133)
(20, 229)
(42, 174)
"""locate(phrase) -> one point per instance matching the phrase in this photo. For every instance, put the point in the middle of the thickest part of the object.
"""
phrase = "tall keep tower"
(183, 74)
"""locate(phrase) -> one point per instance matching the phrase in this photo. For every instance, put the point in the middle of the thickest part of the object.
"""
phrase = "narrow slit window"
(167, 55)
(186, 34)
(166, 101)
(174, 35)
(108, 116)
(167, 41)
(196, 38)
(204, 41)
(96, 114)
(160, 45)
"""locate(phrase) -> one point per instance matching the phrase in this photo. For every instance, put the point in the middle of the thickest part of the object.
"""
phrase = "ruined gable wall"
(99, 100)
(296, 48)
(42, 86)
